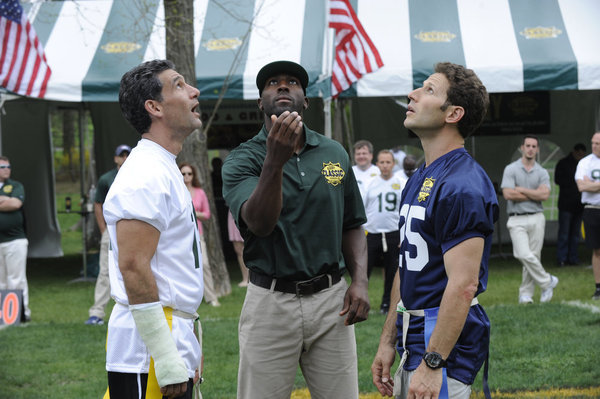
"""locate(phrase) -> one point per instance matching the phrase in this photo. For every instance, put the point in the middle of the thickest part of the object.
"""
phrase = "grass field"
(537, 351)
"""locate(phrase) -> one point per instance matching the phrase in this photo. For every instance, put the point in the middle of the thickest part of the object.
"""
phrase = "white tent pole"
(84, 199)
(326, 71)
(2, 99)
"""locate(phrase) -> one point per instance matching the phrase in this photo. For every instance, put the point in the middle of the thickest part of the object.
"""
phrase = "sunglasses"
(4, 166)
(186, 173)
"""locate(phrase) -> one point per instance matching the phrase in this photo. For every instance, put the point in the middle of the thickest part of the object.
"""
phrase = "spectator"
(409, 167)
(238, 246)
(399, 156)
(202, 213)
(363, 169)
(382, 205)
(13, 242)
(570, 208)
(102, 287)
(525, 184)
(587, 177)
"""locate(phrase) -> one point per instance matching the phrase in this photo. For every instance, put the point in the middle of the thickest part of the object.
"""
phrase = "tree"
(180, 49)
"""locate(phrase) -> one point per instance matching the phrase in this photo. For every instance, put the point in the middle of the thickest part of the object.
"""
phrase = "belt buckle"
(305, 287)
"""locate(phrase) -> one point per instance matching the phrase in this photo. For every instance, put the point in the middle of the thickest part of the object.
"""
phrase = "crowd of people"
(301, 216)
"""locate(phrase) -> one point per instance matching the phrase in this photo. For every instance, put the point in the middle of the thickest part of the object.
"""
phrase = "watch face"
(433, 360)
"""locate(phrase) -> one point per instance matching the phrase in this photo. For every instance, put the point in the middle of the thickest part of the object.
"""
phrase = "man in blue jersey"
(446, 222)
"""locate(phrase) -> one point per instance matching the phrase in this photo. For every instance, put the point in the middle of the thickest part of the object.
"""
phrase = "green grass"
(541, 346)
(535, 347)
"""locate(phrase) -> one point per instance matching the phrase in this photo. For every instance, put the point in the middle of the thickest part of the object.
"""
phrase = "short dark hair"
(580, 147)
(466, 91)
(3, 158)
(363, 143)
(138, 85)
(531, 136)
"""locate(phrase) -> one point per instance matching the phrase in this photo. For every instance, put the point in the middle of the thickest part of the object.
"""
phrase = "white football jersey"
(149, 187)
(364, 178)
(382, 204)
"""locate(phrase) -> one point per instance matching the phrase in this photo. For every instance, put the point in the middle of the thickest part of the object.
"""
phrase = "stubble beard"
(277, 110)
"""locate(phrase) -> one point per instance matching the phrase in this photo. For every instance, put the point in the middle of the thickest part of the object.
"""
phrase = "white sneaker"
(525, 299)
(547, 293)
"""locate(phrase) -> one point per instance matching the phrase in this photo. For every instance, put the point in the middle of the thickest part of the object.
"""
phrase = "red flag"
(355, 53)
(23, 66)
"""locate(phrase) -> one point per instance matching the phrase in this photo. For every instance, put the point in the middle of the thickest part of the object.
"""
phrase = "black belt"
(306, 287)
(521, 214)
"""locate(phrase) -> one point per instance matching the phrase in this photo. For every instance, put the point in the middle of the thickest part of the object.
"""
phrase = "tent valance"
(513, 45)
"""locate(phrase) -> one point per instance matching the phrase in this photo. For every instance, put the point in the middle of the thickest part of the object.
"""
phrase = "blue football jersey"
(444, 204)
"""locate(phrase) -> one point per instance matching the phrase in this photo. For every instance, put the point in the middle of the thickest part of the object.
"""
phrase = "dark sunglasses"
(186, 173)
(4, 166)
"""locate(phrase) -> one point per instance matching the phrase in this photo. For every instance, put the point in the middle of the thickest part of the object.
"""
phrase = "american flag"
(23, 66)
(355, 53)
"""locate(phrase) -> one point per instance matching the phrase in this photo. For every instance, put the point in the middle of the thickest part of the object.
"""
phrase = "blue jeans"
(569, 231)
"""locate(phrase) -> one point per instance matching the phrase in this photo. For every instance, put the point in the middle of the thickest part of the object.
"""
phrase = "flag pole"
(327, 61)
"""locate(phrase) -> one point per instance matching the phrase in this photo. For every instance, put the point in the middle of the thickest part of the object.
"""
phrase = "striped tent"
(523, 46)
(513, 45)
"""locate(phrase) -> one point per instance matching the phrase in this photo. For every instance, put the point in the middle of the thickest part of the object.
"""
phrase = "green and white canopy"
(513, 45)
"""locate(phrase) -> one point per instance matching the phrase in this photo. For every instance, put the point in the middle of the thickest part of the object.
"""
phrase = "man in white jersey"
(382, 205)
(587, 177)
(364, 170)
(155, 266)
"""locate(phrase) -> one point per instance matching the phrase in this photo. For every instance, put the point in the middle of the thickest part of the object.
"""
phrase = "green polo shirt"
(104, 183)
(12, 223)
(320, 200)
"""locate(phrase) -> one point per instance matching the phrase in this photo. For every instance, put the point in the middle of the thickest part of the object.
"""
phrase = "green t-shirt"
(104, 183)
(320, 200)
(12, 224)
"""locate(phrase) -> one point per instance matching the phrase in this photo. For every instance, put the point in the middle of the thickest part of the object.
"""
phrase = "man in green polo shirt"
(13, 243)
(102, 288)
(295, 199)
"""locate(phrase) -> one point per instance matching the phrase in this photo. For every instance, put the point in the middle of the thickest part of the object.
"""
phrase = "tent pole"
(84, 199)
(2, 99)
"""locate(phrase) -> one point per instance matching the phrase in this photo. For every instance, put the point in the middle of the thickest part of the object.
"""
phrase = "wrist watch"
(434, 360)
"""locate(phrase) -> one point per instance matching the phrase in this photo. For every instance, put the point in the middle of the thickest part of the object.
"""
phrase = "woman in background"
(200, 201)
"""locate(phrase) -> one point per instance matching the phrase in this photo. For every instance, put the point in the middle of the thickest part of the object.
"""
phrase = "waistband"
(590, 206)
(306, 287)
(170, 311)
(523, 213)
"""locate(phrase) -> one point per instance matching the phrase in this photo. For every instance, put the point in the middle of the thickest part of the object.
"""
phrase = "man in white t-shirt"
(155, 265)
(364, 170)
(382, 205)
(399, 156)
(587, 177)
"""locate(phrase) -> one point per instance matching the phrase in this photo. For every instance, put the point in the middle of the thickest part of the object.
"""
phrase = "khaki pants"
(278, 331)
(102, 289)
(13, 269)
(527, 236)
